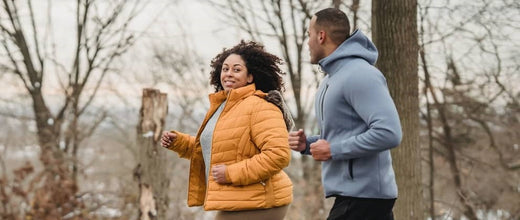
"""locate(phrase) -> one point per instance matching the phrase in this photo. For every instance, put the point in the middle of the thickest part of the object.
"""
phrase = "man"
(358, 121)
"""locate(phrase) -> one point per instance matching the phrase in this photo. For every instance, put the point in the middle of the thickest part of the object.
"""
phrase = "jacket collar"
(233, 95)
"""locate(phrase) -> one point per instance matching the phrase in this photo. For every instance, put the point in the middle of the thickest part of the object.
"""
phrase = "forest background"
(75, 142)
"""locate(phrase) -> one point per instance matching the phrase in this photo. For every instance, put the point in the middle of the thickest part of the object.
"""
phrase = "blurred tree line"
(452, 72)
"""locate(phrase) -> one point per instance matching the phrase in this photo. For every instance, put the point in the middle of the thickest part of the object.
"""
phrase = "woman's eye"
(225, 69)
(237, 70)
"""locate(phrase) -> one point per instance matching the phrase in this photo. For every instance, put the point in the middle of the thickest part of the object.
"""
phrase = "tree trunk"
(451, 156)
(355, 9)
(55, 197)
(309, 185)
(336, 3)
(151, 172)
(431, 161)
(313, 189)
(394, 31)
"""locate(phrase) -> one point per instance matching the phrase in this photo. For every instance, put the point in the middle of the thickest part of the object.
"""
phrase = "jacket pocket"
(351, 168)
(269, 193)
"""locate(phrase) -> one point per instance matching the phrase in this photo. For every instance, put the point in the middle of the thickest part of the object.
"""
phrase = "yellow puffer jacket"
(250, 138)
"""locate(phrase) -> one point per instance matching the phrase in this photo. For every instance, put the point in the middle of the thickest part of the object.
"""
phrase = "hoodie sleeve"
(369, 96)
(309, 141)
(269, 134)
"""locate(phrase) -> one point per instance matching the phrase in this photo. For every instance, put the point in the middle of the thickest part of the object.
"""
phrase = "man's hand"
(168, 138)
(320, 150)
(297, 140)
(219, 174)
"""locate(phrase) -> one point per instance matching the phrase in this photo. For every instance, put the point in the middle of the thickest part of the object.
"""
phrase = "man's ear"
(321, 36)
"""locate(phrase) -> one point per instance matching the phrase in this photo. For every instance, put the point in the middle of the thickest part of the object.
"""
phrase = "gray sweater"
(206, 137)
(357, 116)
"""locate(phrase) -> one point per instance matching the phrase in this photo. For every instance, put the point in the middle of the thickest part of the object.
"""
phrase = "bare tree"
(394, 31)
(354, 8)
(336, 3)
(467, 98)
(101, 36)
(428, 117)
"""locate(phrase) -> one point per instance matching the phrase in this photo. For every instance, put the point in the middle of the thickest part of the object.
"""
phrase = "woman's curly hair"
(263, 66)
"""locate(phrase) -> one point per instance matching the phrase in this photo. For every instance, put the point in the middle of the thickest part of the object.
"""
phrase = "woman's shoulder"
(257, 102)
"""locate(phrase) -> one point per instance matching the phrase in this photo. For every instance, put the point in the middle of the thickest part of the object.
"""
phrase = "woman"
(242, 145)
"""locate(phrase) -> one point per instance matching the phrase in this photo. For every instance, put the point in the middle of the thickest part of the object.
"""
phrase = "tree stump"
(150, 172)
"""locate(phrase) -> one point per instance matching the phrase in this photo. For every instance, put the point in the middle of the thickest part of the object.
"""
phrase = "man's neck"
(330, 48)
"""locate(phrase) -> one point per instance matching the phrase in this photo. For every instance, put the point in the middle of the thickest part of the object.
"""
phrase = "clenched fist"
(297, 140)
(168, 138)
(320, 150)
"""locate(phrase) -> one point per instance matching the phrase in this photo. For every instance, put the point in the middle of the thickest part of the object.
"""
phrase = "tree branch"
(36, 42)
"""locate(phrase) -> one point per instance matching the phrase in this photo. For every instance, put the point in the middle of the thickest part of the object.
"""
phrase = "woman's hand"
(168, 138)
(219, 174)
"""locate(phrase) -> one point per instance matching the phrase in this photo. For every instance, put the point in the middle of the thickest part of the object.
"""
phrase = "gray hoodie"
(358, 118)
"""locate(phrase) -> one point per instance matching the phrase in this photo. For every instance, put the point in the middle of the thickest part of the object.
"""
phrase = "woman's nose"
(226, 73)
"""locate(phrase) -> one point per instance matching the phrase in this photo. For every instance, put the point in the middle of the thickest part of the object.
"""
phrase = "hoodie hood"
(356, 46)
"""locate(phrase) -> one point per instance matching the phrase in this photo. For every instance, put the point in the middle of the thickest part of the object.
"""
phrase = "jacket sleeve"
(184, 145)
(269, 134)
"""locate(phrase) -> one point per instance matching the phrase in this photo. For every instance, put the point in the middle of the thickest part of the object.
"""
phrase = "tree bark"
(151, 172)
(336, 3)
(394, 31)
(429, 122)
(313, 189)
(56, 196)
(355, 9)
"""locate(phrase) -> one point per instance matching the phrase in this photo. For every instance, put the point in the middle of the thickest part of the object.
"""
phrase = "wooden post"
(151, 171)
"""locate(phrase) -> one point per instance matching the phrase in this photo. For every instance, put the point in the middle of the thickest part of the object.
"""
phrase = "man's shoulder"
(357, 64)
(358, 71)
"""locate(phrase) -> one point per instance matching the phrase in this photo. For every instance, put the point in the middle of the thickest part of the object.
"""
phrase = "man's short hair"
(335, 23)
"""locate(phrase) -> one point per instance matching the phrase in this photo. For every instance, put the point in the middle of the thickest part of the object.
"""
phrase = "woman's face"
(234, 73)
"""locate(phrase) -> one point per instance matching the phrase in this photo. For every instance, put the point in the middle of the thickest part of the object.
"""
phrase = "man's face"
(315, 49)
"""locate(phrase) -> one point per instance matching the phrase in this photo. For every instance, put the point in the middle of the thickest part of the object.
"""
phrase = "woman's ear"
(250, 78)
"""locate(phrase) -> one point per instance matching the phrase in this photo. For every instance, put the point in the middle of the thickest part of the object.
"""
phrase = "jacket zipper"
(211, 151)
(350, 168)
(321, 101)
